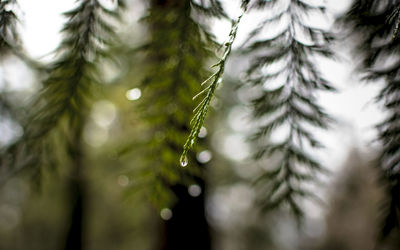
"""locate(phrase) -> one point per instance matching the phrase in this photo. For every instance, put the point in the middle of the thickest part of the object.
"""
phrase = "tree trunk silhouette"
(74, 240)
(77, 192)
(188, 227)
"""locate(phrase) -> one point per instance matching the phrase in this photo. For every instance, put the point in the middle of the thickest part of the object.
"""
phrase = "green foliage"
(376, 25)
(214, 80)
(175, 56)
(292, 106)
(58, 111)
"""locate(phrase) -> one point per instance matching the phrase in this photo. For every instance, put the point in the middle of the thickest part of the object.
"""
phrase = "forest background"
(104, 173)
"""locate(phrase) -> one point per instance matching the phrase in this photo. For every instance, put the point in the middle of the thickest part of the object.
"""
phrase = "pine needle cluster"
(376, 24)
(286, 79)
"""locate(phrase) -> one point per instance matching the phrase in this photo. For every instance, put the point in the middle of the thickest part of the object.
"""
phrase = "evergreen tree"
(287, 59)
(62, 103)
(179, 47)
(176, 54)
(59, 111)
(376, 25)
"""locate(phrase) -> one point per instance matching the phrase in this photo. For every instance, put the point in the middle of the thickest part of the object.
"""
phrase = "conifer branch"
(175, 56)
(200, 112)
(292, 105)
(63, 99)
(376, 23)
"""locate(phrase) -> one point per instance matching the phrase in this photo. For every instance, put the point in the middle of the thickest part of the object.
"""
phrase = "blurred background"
(128, 193)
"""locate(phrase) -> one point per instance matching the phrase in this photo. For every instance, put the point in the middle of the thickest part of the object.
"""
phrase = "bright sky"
(41, 21)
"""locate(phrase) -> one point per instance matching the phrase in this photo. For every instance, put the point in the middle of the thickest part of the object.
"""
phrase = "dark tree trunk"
(74, 240)
(76, 190)
(188, 227)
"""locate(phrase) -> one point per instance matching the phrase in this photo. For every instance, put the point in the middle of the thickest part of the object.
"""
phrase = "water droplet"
(166, 213)
(203, 132)
(104, 113)
(219, 80)
(204, 156)
(184, 161)
(133, 94)
(194, 190)
(123, 180)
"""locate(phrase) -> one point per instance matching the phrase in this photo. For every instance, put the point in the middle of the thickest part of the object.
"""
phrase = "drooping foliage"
(176, 54)
(200, 111)
(375, 24)
(284, 74)
(57, 113)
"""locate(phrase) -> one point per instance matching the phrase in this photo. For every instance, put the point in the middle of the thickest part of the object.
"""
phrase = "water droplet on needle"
(184, 161)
